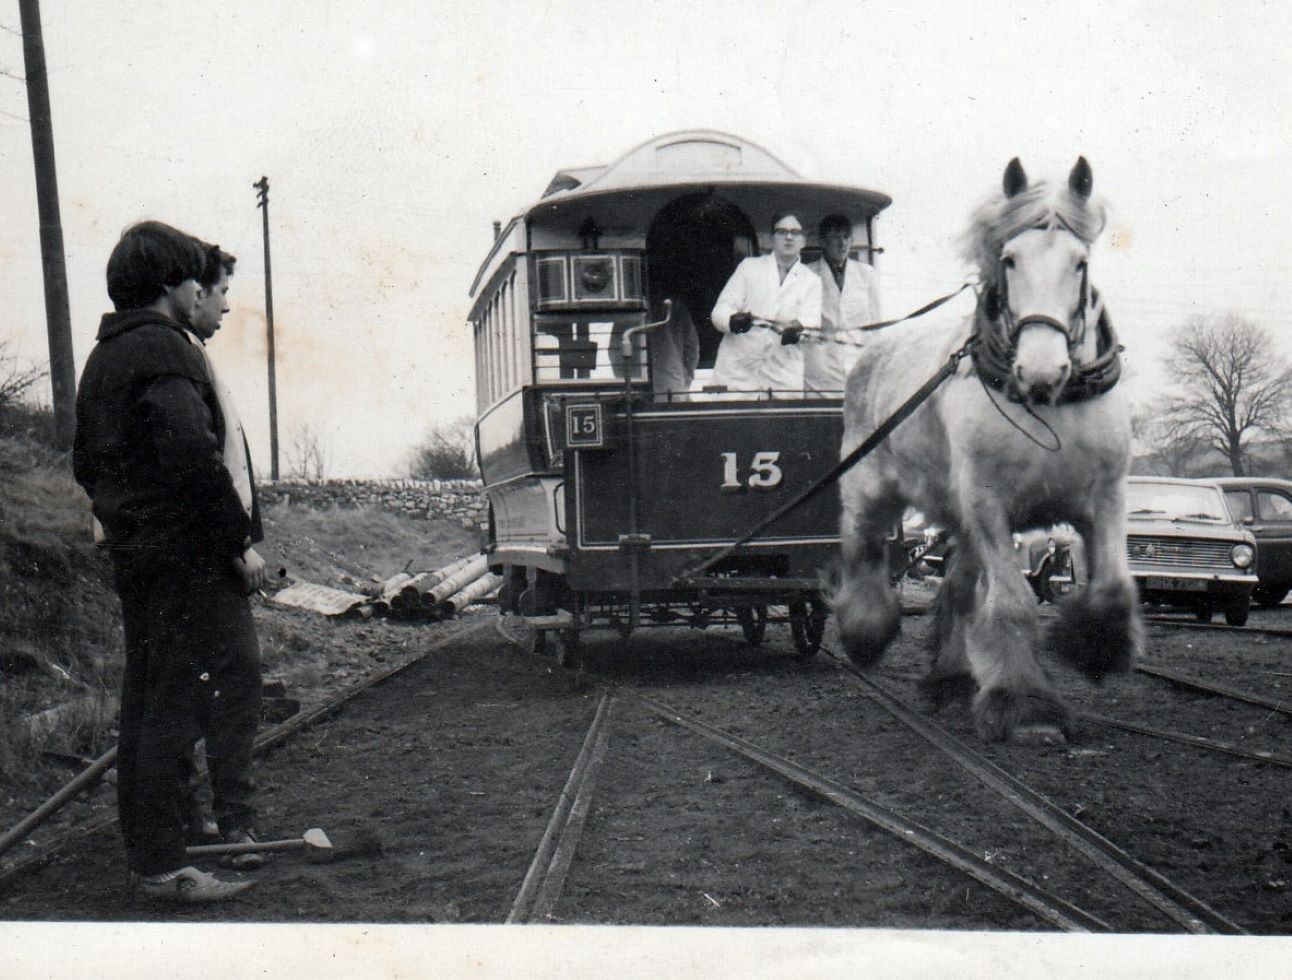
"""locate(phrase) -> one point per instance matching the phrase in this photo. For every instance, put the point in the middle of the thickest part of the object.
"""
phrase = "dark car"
(1185, 549)
(1263, 505)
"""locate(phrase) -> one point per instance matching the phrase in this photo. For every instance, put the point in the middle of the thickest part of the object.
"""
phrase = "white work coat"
(757, 360)
(826, 365)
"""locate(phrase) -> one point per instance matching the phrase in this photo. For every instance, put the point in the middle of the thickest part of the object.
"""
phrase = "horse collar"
(993, 354)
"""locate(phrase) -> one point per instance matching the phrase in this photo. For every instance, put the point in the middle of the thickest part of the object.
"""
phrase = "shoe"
(187, 886)
(200, 830)
(248, 860)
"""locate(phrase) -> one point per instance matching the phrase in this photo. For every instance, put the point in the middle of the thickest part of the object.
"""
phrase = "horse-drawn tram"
(614, 479)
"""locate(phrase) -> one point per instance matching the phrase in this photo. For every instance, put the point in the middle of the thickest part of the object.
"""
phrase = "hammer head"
(318, 847)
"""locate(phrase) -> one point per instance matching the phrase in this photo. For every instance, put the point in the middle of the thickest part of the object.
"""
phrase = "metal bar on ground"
(1195, 740)
(523, 908)
(563, 856)
(81, 782)
(1219, 627)
(1050, 908)
(266, 740)
(1207, 687)
(1168, 898)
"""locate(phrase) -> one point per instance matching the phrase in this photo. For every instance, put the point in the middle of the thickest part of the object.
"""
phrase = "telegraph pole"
(262, 193)
(58, 317)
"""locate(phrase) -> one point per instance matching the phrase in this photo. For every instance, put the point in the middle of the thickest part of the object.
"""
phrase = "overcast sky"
(394, 131)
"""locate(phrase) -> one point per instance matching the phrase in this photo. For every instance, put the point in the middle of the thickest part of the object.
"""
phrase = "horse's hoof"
(864, 638)
(1097, 633)
(1002, 715)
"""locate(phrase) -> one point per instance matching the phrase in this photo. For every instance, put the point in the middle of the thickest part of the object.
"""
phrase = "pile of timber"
(440, 594)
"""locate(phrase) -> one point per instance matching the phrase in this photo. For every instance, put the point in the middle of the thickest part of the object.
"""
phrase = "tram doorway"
(694, 244)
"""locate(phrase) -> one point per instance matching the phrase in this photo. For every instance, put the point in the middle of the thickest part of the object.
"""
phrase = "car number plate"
(1167, 583)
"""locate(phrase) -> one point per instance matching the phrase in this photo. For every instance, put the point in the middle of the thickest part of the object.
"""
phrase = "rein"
(884, 430)
(815, 335)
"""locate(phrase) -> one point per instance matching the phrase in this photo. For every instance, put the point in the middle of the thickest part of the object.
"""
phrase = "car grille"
(1146, 550)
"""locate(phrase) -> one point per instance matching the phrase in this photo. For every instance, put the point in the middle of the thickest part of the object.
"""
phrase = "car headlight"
(1241, 555)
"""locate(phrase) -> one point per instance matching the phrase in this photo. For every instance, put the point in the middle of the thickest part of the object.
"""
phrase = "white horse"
(1031, 430)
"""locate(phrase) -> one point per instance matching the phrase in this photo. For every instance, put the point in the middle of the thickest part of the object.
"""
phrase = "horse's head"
(1033, 249)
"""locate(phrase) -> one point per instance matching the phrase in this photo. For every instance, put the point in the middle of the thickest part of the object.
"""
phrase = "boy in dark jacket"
(150, 451)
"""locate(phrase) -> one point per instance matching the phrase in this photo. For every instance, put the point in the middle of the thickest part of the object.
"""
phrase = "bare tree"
(15, 382)
(307, 456)
(448, 453)
(1162, 450)
(1231, 386)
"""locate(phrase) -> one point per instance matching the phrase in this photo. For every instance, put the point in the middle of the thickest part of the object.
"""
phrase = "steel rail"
(1184, 738)
(1194, 915)
(541, 887)
(264, 741)
(1046, 906)
(1208, 687)
(1182, 624)
(1197, 741)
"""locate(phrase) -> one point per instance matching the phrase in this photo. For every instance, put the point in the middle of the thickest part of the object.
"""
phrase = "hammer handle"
(246, 847)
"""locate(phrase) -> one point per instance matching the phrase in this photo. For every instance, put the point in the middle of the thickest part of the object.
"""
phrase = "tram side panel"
(527, 527)
(705, 475)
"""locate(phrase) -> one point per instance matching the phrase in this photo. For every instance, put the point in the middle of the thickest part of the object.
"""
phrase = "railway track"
(1186, 912)
(1247, 630)
(553, 862)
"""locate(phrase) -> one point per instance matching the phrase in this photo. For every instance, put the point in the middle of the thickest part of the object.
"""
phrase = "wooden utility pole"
(262, 189)
(58, 317)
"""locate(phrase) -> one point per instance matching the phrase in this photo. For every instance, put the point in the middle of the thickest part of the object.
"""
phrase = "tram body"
(605, 493)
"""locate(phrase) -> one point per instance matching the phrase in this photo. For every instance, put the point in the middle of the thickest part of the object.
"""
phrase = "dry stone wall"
(460, 500)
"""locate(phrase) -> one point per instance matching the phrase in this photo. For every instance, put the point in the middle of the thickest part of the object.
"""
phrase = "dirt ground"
(456, 763)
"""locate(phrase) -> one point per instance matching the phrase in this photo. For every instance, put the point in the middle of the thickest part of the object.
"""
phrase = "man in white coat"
(776, 288)
(849, 298)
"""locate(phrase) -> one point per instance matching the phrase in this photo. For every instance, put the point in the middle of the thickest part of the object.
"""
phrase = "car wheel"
(1269, 596)
(1204, 610)
(1236, 610)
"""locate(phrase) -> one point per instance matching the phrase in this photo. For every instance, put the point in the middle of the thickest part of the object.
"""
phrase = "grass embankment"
(60, 639)
(61, 651)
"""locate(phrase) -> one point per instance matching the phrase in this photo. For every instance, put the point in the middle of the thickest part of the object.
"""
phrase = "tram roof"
(690, 160)
(701, 157)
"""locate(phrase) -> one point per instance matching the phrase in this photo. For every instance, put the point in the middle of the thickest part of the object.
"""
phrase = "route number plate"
(584, 427)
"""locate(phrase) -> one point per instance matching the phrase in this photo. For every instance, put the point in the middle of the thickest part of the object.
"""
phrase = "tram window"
(504, 333)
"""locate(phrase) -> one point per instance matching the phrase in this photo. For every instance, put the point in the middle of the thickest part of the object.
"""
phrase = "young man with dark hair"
(849, 298)
(179, 521)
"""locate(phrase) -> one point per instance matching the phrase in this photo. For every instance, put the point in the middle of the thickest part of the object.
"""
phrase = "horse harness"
(993, 350)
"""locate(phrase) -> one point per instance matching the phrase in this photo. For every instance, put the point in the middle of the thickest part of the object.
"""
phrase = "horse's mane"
(1000, 218)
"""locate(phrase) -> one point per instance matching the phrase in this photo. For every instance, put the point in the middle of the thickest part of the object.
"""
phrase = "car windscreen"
(1175, 502)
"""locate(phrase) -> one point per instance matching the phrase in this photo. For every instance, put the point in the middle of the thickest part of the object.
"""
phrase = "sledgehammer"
(318, 848)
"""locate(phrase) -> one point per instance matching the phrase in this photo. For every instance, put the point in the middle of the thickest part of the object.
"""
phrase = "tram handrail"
(626, 341)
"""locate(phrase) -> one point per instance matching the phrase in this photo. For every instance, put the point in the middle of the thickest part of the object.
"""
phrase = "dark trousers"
(192, 671)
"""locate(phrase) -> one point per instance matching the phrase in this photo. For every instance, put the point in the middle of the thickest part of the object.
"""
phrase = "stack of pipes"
(440, 594)
(474, 592)
(415, 594)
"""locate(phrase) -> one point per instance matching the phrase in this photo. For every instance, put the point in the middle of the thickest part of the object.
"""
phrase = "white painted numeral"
(764, 473)
(730, 478)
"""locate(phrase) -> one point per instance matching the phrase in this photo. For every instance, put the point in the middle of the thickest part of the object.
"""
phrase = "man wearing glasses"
(762, 310)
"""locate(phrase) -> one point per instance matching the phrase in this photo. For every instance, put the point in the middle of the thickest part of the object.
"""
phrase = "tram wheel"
(568, 654)
(807, 626)
(753, 623)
